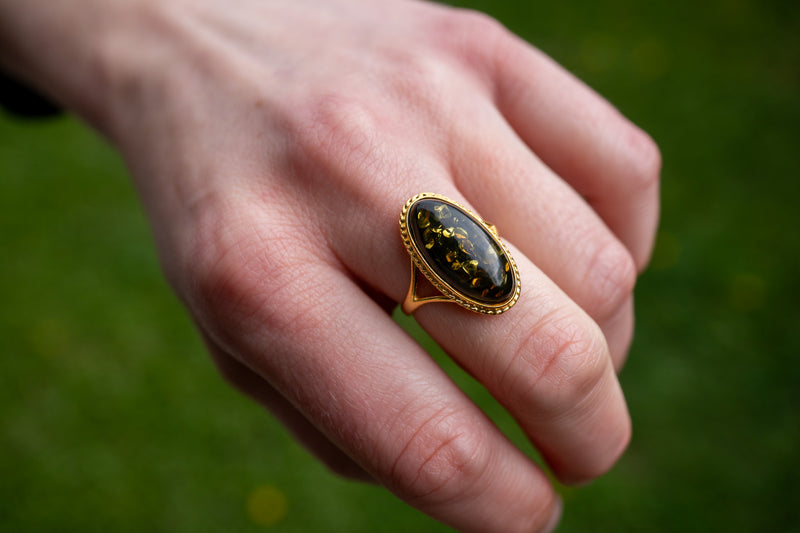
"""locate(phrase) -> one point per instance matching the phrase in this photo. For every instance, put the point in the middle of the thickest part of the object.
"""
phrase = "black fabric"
(20, 100)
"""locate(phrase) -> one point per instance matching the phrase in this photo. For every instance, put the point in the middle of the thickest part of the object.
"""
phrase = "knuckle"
(216, 265)
(337, 131)
(222, 282)
(556, 364)
(455, 33)
(610, 280)
(465, 24)
(439, 460)
(424, 76)
(644, 158)
(236, 274)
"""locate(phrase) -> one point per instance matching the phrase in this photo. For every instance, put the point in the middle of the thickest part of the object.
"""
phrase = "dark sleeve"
(23, 101)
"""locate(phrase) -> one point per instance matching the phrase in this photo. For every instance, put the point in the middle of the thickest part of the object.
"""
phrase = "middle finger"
(548, 220)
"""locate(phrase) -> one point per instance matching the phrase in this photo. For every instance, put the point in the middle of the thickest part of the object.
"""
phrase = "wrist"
(68, 50)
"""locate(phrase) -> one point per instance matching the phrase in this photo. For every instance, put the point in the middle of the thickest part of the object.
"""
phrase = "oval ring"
(460, 254)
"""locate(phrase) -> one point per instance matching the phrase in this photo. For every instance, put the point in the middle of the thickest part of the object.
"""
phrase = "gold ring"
(460, 254)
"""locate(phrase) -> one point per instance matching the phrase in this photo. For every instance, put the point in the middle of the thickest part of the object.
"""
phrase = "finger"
(254, 386)
(545, 360)
(343, 363)
(548, 363)
(552, 225)
(578, 134)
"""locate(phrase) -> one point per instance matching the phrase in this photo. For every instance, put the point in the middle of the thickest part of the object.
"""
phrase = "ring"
(460, 254)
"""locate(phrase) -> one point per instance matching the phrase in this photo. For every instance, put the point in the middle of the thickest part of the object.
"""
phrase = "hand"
(274, 145)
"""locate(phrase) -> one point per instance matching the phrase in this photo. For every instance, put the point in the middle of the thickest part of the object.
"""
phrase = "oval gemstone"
(461, 251)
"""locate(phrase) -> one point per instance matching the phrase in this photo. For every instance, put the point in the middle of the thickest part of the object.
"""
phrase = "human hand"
(274, 145)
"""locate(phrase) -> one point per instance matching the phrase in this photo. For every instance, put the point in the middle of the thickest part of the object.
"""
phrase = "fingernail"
(555, 518)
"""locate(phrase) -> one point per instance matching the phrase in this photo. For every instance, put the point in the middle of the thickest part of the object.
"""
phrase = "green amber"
(461, 251)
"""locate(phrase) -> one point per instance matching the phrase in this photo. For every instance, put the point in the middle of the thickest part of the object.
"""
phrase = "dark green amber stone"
(461, 251)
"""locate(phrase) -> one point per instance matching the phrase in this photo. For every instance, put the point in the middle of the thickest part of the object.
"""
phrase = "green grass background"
(113, 419)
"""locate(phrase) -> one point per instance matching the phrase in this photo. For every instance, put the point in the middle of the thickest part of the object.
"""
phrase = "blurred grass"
(112, 418)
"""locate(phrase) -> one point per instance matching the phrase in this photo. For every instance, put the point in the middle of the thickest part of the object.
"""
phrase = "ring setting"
(460, 254)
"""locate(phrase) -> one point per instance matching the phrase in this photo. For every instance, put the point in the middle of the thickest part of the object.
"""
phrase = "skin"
(273, 146)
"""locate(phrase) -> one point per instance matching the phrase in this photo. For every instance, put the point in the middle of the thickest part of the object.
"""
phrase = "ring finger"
(546, 360)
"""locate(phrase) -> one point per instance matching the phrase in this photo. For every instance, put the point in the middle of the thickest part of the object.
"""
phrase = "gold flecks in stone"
(461, 251)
